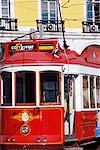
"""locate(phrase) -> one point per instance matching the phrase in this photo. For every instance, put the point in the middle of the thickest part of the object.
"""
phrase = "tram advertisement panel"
(98, 123)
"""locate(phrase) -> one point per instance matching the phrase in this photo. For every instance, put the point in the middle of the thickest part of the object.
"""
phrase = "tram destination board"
(22, 46)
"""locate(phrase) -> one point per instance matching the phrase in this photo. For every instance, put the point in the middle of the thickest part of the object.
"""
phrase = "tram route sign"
(22, 46)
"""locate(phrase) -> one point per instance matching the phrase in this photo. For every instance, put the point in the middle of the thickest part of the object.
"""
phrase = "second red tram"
(48, 95)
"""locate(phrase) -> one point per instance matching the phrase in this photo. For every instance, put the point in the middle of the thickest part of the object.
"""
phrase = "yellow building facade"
(29, 11)
(26, 12)
(72, 12)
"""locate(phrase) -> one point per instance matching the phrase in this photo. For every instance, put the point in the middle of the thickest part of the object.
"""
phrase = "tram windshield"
(50, 87)
(25, 87)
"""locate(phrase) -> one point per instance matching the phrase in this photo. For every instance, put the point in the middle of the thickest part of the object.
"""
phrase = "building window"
(93, 11)
(5, 8)
(49, 10)
(89, 11)
(97, 11)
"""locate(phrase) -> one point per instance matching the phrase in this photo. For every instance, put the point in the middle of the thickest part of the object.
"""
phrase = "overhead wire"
(24, 7)
(73, 5)
(65, 3)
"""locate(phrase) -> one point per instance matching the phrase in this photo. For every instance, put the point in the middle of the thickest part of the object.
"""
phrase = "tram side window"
(85, 92)
(7, 88)
(50, 87)
(25, 87)
(98, 91)
(92, 92)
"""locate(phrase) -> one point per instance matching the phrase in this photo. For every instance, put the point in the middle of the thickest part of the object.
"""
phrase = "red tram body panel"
(42, 126)
(85, 125)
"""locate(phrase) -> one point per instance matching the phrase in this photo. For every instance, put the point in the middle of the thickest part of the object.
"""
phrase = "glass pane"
(97, 12)
(89, 12)
(7, 88)
(45, 15)
(4, 11)
(85, 92)
(49, 10)
(89, 15)
(4, 2)
(92, 92)
(89, 7)
(52, 5)
(25, 87)
(44, 5)
(4, 16)
(50, 91)
(98, 91)
(52, 16)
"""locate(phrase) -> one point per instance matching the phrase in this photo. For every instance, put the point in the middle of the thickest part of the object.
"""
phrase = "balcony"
(8, 24)
(91, 27)
(50, 25)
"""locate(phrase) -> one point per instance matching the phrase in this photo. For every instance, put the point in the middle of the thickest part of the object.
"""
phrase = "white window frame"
(5, 7)
(95, 97)
(48, 5)
(93, 11)
(10, 8)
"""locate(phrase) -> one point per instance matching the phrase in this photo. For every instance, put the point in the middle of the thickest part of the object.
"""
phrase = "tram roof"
(48, 51)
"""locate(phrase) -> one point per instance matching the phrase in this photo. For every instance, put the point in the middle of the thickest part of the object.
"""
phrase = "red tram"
(48, 95)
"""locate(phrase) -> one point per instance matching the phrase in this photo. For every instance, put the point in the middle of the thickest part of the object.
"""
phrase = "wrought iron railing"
(50, 25)
(91, 27)
(8, 24)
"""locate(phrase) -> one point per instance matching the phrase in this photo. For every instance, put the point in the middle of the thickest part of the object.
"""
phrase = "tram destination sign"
(25, 46)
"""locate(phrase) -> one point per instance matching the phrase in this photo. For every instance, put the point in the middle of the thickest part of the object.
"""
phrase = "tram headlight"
(38, 140)
(45, 140)
(24, 129)
(13, 139)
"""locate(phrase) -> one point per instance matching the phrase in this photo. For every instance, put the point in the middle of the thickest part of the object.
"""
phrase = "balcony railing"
(8, 24)
(91, 27)
(50, 25)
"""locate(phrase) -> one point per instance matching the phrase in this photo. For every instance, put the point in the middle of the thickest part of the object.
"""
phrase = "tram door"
(69, 105)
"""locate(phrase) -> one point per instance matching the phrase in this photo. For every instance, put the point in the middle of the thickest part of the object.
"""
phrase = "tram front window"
(50, 87)
(7, 88)
(25, 87)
